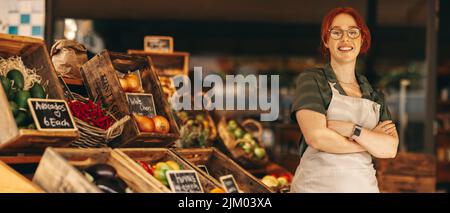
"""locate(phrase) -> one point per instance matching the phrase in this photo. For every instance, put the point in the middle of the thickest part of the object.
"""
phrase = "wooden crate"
(167, 65)
(408, 172)
(219, 164)
(57, 170)
(34, 55)
(154, 155)
(100, 77)
(13, 182)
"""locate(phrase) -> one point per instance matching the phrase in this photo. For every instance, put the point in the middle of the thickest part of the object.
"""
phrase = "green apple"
(259, 152)
(248, 136)
(238, 133)
(232, 125)
(247, 147)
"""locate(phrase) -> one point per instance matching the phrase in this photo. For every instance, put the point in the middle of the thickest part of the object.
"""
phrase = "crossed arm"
(333, 136)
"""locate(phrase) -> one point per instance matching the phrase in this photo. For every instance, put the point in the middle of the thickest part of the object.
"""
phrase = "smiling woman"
(343, 120)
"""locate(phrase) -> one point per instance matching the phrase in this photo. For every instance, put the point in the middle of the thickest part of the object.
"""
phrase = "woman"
(343, 120)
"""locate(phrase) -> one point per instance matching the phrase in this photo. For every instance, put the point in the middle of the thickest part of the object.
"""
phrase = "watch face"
(357, 131)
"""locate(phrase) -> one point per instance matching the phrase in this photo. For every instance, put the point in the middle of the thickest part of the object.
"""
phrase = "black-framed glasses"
(338, 33)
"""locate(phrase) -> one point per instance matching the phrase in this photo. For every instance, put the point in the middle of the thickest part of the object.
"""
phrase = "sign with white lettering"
(51, 115)
(184, 181)
(229, 183)
(141, 104)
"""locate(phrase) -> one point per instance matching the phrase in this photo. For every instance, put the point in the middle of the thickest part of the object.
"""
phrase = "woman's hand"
(386, 127)
(343, 128)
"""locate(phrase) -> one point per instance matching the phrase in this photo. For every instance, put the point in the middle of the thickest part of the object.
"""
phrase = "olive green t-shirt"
(314, 93)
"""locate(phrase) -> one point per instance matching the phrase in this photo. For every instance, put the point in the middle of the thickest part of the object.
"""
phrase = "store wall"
(22, 17)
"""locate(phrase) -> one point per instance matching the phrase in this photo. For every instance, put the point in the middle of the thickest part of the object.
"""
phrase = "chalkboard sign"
(141, 104)
(51, 115)
(204, 168)
(229, 184)
(184, 181)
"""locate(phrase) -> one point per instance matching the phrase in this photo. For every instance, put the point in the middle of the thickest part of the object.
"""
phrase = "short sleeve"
(384, 111)
(307, 95)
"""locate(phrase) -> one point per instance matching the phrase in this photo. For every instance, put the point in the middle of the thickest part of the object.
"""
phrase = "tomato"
(161, 124)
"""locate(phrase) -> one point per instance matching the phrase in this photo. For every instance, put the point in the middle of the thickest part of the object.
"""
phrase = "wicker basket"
(94, 137)
(247, 160)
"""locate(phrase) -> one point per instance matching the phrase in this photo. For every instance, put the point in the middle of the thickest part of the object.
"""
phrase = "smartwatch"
(356, 131)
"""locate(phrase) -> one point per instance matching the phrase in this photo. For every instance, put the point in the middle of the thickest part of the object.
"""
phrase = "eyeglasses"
(337, 33)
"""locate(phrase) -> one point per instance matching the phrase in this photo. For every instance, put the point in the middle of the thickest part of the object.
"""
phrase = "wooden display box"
(408, 172)
(167, 64)
(155, 155)
(100, 77)
(57, 171)
(13, 182)
(34, 55)
(218, 164)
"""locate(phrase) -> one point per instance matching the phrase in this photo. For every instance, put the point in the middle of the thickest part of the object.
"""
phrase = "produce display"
(159, 169)
(19, 84)
(195, 130)
(91, 113)
(167, 86)
(105, 178)
(276, 181)
(156, 124)
(131, 82)
(245, 140)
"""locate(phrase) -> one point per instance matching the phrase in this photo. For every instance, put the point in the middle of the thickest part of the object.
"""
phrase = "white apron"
(325, 172)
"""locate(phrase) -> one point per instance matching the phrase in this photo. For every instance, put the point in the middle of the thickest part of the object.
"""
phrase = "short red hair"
(326, 24)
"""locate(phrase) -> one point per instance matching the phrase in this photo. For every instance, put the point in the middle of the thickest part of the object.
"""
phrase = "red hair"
(326, 24)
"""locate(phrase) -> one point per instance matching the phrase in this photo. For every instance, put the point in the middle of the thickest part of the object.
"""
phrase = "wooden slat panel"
(57, 171)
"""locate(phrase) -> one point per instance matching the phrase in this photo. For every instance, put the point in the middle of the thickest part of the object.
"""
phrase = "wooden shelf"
(74, 82)
(173, 54)
(21, 159)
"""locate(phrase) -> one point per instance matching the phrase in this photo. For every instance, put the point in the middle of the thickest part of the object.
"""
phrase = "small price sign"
(141, 104)
(51, 115)
(229, 183)
(184, 181)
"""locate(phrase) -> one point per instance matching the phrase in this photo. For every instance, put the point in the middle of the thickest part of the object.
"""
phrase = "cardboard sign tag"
(229, 183)
(184, 181)
(51, 115)
(141, 104)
